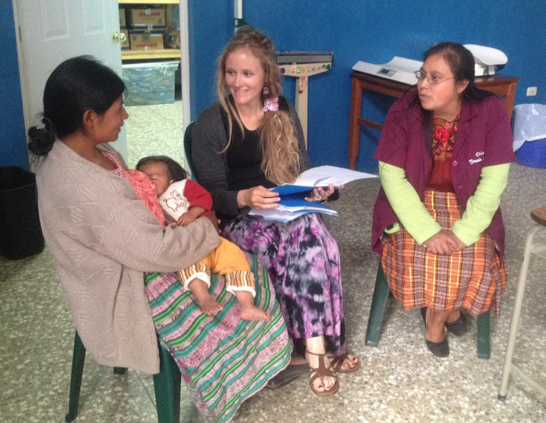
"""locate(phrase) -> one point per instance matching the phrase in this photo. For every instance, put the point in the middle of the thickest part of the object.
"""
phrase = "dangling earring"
(266, 90)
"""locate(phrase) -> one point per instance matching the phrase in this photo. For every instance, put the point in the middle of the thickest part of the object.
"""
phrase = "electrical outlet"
(531, 91)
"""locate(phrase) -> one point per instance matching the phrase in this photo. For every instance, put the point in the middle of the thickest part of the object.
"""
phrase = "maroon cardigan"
(484, 138)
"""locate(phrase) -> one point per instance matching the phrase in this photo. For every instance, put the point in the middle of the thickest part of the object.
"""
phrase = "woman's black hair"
(77, 85)
(175, 172)
(461, 63)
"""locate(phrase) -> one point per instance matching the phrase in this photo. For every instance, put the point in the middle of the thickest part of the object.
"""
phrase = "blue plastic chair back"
(187, 151)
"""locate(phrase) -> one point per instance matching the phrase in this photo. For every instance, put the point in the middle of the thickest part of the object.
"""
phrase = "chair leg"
(484, 345)
(517, 310)
(167, 389)
(377, 310)
(78, 360)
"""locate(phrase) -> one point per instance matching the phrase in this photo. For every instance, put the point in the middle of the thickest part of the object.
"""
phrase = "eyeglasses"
(432, 80)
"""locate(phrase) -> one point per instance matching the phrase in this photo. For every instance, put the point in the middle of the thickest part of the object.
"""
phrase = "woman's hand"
(459, 245)
(258, 198)
(441, 243)
(319, 194)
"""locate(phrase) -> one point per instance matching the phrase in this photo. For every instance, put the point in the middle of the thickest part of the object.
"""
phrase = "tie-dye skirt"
(224, 360)
(302, 259)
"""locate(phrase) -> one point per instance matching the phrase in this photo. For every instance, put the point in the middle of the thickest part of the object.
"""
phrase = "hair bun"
(41, 140)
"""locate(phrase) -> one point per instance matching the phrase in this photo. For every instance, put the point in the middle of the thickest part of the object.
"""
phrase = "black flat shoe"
(458, 327)
(439, 349)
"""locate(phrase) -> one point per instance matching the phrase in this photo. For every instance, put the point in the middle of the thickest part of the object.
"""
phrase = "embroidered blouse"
(443, 139)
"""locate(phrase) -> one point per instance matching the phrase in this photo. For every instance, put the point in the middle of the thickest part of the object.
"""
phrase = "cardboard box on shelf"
(142, 40)
(122, 20)
(139, 17)
(125, 45)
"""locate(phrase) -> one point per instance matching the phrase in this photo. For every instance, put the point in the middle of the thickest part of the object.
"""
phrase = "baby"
(185, 200)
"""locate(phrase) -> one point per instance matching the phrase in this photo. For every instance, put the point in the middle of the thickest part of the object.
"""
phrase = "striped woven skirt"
(224, 360)
(473, 278)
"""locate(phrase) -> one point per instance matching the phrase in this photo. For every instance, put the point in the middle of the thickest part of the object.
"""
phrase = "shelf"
(150, 54)
(148, 1)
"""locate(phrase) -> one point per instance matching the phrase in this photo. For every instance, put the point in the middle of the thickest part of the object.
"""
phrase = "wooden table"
(501, 85)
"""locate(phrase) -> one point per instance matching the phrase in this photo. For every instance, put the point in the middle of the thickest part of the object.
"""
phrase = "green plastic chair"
(379, 305)
(166, 384)
(187, 151)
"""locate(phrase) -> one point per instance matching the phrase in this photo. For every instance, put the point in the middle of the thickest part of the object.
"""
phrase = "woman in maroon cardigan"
(444, 158)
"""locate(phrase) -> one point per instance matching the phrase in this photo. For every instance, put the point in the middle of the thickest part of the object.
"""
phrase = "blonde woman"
(249, 141)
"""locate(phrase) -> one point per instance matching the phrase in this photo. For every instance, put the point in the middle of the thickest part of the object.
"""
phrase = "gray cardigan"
(103, 239)
(209, 139)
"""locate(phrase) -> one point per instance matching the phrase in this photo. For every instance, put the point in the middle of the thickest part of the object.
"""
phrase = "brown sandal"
(337, 364)
(322, 372)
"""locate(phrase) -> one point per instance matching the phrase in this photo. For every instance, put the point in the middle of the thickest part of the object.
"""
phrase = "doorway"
(50, 32)
(153, 78)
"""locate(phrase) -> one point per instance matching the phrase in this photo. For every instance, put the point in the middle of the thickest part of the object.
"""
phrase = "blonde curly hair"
(279, 144)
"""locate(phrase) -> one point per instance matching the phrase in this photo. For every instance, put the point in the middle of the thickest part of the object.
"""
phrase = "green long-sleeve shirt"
(415, 218)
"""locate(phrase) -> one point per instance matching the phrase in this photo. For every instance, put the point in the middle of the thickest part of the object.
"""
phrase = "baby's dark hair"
(175, 172)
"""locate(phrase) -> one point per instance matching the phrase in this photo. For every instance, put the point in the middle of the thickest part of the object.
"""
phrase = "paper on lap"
(322, 176)
(293, 204)
(276, 214)
(326, 175)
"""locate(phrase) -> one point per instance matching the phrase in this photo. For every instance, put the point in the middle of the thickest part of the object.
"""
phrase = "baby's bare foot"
(251, 312)
(210, 307)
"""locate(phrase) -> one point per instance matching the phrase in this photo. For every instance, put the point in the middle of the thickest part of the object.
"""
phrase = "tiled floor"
(155, 130)
(400, 381)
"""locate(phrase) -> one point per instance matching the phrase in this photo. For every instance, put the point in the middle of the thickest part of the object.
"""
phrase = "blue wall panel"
(13, 150)
(210, 29)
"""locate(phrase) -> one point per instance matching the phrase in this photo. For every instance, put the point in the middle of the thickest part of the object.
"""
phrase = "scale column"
(302, 72)
(302, 103)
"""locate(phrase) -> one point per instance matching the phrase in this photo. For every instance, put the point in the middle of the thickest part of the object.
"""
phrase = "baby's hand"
(186, 219)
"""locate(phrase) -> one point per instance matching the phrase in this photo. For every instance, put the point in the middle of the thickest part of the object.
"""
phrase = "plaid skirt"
(473, 278)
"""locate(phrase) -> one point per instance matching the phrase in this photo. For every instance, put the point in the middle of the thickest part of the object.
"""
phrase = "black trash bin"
(20, 231)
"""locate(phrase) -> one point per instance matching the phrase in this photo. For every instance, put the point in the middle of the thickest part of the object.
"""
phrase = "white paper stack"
(293, 203)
